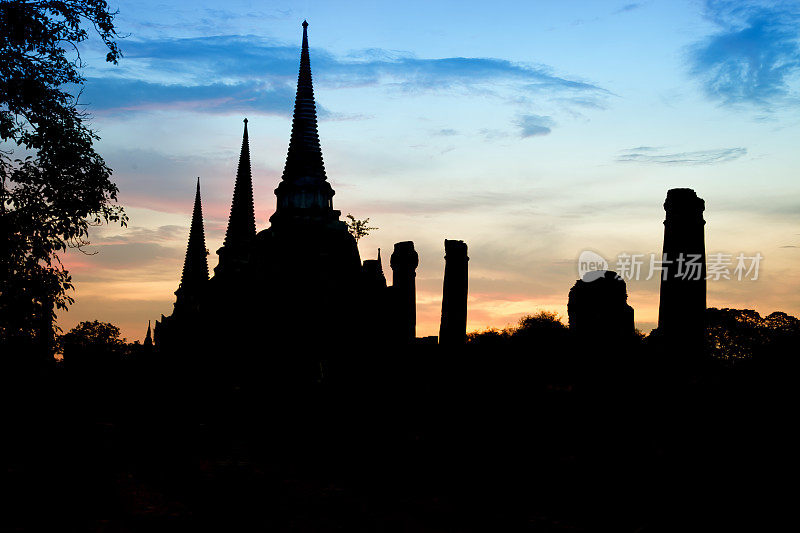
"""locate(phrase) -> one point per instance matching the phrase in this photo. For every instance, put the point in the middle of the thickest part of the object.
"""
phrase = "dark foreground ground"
(416, 441)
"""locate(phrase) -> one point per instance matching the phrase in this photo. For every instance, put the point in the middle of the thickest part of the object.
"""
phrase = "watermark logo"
(684, 266)
(591, 266)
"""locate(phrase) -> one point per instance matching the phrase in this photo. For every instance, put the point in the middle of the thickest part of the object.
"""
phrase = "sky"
(532, 130)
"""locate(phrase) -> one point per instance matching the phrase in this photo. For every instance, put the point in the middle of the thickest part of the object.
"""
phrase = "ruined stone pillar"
(404, 264)
(683, 283)
(598, 311)
(453, 328)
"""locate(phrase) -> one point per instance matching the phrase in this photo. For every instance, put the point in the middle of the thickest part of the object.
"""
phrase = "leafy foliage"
(740, 334)
(54, 186)
(93, 333)
(358, 228)
(542, 327)
(543, 322)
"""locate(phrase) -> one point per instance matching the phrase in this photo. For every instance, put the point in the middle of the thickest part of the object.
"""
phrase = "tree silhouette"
(489, 337)
(358, 228)
(541, 322)
(54, 186)
(539, 328)
(93, 333)
(740, 334)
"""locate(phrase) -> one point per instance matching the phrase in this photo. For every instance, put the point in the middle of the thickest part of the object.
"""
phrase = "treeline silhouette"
(526, 428)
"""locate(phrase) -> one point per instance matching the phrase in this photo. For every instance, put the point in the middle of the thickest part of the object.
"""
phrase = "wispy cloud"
(534, 125)
(105, 258)
(653, 155)
(754, 56)
(110, 95)
(627, 7)
(149, 178)
(450, 203)
(492, 134)
(645, 149)
(244, 72)
(160, 234)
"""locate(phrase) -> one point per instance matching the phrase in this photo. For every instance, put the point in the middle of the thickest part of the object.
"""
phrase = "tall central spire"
(304, 189)
(305, 155)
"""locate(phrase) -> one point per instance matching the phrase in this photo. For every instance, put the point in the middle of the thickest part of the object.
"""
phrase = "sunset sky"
(532, 130)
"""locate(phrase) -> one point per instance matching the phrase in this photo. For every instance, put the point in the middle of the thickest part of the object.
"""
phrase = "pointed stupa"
(148, 339)
(242, 220)
(304, 184)
(195, 265)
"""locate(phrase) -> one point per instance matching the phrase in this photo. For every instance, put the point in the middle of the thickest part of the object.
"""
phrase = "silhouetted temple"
(301, 278)
(683, 283)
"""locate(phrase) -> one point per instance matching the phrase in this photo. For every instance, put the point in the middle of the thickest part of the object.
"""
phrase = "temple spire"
(195, 265)
(242, 220)
(305, 155)
(148, 339)
(304, 189)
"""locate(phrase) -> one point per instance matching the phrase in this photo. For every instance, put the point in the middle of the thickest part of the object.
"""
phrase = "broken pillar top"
(606, 284)
(457, 248)
(404, 256)
(684, 202)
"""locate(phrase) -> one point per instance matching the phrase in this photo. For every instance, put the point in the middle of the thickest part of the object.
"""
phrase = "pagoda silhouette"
(300, 281)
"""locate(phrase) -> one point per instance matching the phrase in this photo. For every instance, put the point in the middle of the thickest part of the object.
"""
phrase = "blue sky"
(532, 130)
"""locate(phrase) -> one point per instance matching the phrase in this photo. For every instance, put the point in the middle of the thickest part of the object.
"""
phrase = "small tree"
(489, 337)
(544, 326)
(541, 322)
(92, 333)
(358, 228)
(93, 342)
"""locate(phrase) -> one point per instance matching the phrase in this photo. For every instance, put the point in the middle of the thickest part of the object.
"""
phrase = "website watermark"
(643, 267)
